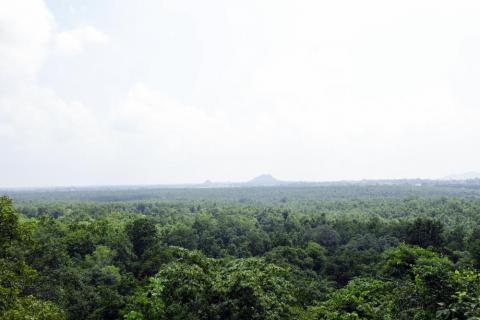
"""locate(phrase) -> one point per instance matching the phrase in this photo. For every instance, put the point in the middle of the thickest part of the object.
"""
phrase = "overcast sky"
(156, 92)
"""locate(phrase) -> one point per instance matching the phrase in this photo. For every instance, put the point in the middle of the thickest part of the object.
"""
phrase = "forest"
(325, 252)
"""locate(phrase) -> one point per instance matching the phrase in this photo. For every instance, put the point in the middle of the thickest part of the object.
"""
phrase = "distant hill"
(264, 180)
(463, 176)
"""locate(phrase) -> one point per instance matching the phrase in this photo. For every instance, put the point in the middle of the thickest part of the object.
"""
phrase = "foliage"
(325, 252)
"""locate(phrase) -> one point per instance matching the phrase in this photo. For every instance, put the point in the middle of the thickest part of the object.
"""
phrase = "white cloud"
(317, 90)
(39, 131)
(25, 33)
(75, 41)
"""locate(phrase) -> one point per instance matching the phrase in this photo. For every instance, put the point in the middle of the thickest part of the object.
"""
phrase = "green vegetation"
(338, 252)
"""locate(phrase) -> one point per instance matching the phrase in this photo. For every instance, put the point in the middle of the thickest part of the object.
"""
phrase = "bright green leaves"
(29, 308)
(466, 299)
(361, 299)
(414, 283)
(399, 262)
(195, 287)
(253, 289)
(15, 275)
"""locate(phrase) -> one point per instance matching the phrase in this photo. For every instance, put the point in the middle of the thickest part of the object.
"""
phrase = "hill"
(264, 180)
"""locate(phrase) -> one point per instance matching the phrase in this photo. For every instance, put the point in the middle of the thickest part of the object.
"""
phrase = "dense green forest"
(330, 252)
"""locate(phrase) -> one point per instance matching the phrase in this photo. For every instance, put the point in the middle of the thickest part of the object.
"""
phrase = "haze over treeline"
(165, 92)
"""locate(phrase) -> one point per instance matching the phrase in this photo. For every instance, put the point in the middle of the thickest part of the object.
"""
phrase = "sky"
(163, 92)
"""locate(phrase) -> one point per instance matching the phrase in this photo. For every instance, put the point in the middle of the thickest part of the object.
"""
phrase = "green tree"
(15, 274)
(253, 289)
(425, 232)
(142, 234)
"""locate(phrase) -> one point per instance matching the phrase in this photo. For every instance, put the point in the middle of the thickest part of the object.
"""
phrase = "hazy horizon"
(120, 92)
(226, 183)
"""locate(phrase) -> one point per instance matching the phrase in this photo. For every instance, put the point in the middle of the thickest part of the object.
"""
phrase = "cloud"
(76, 40)
(39, 130)
(25, 33)
(309, 91)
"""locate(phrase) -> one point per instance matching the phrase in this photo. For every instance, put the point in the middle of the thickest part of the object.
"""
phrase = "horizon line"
(226, 184)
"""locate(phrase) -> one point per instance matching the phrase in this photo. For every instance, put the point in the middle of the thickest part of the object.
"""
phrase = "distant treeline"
(265, 195)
